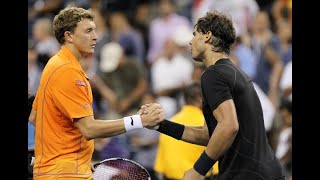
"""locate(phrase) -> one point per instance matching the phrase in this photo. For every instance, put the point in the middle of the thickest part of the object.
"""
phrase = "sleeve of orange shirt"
(71, 93)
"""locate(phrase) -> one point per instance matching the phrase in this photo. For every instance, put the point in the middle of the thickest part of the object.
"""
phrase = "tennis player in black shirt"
(234, 132)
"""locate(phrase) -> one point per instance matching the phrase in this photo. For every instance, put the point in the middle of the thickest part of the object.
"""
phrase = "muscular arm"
(196, 135)
(140, 89)
(91, 128)
(225, 131)
(275, 61)
(104, 90)
(32, 117)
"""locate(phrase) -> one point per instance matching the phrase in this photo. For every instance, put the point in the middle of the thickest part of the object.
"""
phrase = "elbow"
(88, 137)
(233, 129)
(230, 129)
(32, 117)
(87, 133)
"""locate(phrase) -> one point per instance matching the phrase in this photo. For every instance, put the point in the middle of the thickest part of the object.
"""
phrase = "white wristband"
(132, 122)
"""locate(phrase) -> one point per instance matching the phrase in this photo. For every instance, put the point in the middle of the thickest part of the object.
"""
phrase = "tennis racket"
(119, 169)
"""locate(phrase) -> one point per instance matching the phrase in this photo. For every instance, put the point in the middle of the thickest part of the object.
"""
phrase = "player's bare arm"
(32, 117)
(92, 128)
(225, 131)
(192, 134)
(196, 134)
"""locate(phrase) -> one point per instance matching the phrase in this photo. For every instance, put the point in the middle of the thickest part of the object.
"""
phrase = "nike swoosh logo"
(131, 121)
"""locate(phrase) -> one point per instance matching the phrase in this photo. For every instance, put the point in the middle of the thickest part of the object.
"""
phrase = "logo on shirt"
(81, 83)
(131, 121)
(87, 105)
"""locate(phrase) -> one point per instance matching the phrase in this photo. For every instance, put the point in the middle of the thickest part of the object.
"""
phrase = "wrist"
(172, 129)
(132, 122)
(204, 164)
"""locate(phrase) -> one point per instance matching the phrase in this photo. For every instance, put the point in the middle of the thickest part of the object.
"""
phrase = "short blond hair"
(67, 20)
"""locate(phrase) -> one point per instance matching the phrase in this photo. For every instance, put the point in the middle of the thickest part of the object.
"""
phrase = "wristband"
(172, 129)
(132, 122)
(203, 164)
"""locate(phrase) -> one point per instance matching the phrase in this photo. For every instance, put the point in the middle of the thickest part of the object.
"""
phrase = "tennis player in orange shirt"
(62, 110)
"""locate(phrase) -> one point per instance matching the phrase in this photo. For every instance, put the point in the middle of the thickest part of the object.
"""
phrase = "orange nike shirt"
(64, 94)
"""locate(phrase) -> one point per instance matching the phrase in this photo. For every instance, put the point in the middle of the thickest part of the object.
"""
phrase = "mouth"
(93, 45)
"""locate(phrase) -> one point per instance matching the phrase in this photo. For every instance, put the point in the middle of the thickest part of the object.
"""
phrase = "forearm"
(104, 90)
(32, 117)
(221, 140)
(195, 135)
(109, 96)
(275, 75)
(105, 128)
(138, 91)
(274, 83)
(91, 128)
(192, 134)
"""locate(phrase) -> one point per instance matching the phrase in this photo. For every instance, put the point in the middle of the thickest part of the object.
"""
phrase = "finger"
(145, 110)
(92, 167)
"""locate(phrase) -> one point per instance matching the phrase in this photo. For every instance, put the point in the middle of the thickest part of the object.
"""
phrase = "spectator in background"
(45, 8)
(197, 71)
(281, 11)
(34, 69)
(241, 11)
(103, 32)
(284, 32)
(166, 82)
(174, 157)
(245, 57)
(46, 44)
(268, 109)
(286, 82)
(127, 36)
(284, 146)
(162, 28)
(126, 79)
(42, 9)
(266, 46)
(141, 19)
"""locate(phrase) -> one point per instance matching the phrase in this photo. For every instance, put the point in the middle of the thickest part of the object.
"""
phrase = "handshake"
(151, 115)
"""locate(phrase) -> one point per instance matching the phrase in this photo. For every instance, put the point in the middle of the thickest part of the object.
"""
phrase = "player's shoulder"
(57, 66)
(222, 70)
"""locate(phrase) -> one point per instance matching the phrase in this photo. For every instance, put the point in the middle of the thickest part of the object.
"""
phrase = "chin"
(198, 59)
(88, 53)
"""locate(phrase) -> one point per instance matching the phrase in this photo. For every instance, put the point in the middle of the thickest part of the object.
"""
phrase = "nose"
(94, 35)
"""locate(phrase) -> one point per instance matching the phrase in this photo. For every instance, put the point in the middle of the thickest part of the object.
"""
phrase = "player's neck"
(74, 51)
(212, 57)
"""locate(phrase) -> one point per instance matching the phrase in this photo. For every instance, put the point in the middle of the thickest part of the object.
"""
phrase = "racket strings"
(119, 170)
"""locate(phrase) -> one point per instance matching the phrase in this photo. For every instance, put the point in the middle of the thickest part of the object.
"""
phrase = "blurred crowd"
(143, 55)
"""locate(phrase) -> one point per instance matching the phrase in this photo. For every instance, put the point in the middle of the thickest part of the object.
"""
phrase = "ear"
(68, 36)
(208, 36)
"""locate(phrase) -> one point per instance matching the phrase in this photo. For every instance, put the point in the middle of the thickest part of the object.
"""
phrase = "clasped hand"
(151, 115)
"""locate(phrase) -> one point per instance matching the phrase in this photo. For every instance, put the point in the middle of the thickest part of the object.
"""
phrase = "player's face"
(85, 37)
(197, 46)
